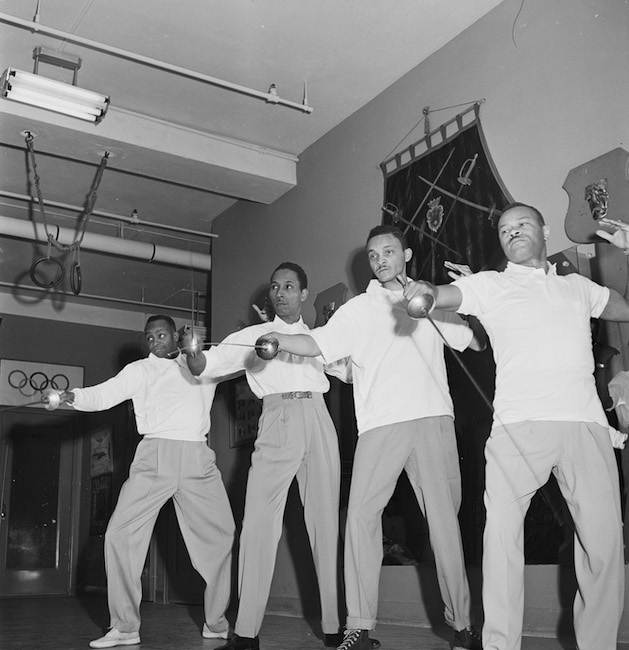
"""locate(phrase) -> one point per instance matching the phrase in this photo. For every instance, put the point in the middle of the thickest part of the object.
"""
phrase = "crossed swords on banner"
(464, 180)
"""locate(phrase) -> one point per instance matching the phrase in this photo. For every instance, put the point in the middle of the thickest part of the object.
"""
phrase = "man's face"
(161, 338)
(387, 258)
(286, 295)
(522, 236)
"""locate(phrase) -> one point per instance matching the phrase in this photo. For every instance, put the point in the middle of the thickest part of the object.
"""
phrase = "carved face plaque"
(597, 197)
(597, 188)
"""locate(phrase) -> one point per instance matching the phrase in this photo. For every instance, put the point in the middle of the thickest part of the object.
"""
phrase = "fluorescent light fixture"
(53, 95)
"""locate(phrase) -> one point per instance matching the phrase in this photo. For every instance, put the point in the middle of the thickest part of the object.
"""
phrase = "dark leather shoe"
(241, 643)
(467, 639)
(335, 640)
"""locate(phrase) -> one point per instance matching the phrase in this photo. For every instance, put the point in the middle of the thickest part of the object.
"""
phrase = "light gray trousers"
(426, 449)
(187, 472)
(296, 439)
(520, 458)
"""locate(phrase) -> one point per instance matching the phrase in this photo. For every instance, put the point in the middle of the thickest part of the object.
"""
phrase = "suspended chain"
(52, 241)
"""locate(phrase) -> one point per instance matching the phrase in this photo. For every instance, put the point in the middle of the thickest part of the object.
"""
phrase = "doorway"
(40, 462)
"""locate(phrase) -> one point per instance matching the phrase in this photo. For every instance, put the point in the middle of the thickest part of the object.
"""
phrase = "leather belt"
(297, 394)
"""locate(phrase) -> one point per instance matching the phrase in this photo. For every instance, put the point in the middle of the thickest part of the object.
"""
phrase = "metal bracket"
(60, 59)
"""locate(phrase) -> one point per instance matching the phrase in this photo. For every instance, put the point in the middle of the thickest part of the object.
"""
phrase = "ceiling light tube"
(36, 83)
(55, 104)
(53, 95)
(51, 104)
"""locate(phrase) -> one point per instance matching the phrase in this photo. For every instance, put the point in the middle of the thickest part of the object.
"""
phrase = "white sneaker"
(114, 637)
(206, 633)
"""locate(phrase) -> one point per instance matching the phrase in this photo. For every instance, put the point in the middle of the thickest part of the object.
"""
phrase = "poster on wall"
(22, 383)
(100, 504)
(101, 459)
(247, 410)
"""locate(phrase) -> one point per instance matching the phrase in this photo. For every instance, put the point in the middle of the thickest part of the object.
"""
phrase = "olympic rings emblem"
(38, 382)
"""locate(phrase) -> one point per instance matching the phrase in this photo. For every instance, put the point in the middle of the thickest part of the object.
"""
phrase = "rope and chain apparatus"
(52, 241)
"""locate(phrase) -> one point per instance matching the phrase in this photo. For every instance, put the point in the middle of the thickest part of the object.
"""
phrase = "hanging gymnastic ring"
(55, 280)
(76, 279)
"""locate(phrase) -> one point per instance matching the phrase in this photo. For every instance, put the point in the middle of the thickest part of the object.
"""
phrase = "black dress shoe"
(335, 640)
(241, 643)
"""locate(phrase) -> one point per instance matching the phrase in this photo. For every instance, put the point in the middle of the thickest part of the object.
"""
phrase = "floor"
(69, 623)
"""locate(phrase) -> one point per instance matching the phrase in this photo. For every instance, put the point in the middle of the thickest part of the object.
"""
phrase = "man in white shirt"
(405, 422)
(547, 418)
(296, 439)
(173, 460)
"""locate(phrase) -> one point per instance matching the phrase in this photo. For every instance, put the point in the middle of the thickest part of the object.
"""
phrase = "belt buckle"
(297, 394)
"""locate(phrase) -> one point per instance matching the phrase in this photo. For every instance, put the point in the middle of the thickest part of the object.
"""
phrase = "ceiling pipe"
(157, 306)
(270, 97)
(105, 244)
(108, 215)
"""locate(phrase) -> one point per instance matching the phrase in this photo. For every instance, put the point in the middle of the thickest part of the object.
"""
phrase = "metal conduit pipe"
(72, 38)
(108, 215)
(157, 306)
(105, 244)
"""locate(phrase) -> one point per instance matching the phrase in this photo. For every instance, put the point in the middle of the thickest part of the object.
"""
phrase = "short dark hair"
(291, 266)
(386, 229)
(535, 211)
(167, 319)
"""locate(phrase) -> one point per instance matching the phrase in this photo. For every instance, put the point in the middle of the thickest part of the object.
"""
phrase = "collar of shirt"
(157, 360)
(376, 291)
(280, 325)
(521, 269)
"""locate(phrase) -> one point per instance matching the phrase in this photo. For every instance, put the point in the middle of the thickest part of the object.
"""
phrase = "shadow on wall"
(358, 270)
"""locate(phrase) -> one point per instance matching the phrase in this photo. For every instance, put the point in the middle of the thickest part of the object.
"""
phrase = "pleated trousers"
(426, 448)
(186, 472)
(520, 458)
(296, 439)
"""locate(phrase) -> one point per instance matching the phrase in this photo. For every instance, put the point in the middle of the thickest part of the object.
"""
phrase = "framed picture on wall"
(246, 413)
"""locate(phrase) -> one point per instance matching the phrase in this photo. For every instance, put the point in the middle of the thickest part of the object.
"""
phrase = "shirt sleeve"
(599, 297)
(457, 333)
(471, 288)
(335, 339)
(125, 385)
(341, 369)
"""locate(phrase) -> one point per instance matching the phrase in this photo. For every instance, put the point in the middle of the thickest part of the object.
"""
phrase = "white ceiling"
(183, 149)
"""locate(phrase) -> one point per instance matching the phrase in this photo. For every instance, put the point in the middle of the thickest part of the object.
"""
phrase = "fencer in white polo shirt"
(405, 422)
(547, 418)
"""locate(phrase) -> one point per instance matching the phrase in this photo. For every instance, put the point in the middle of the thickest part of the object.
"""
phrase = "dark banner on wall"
(446, 195)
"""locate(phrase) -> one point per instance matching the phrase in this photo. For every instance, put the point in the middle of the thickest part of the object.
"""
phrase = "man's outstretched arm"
(302, 345)
(447, 297)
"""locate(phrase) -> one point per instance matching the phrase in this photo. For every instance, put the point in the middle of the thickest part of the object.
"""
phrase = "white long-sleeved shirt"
(398, 364)
(168, 401)
(285, 373)
(538, 324)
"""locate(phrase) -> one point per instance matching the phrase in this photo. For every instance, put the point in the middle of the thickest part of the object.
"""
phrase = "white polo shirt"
(398, 364)
(283, 374)
(538, 324)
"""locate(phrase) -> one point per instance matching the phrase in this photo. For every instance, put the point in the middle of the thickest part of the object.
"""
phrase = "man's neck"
(396, 284)
(536, 263)
(290, 320)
